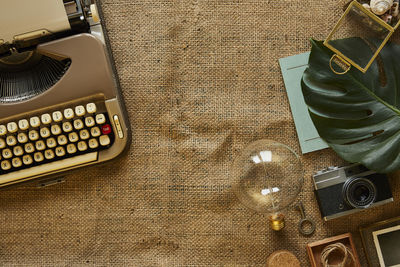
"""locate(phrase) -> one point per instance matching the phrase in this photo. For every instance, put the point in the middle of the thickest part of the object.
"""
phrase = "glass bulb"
(267, 177)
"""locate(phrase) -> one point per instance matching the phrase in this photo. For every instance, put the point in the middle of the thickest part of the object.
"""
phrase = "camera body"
(345, 190)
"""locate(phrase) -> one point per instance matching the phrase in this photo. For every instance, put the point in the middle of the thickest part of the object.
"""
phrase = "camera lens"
(359, 192)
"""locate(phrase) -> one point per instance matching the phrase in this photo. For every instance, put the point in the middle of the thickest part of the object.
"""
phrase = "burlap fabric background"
(201, 79)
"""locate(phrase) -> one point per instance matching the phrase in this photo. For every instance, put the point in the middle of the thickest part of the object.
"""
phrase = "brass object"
(303, 229)
(345, 70)
(372, 23)
(277, 222)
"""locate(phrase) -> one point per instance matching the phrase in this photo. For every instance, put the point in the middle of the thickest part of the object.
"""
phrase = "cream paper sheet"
(24, 16)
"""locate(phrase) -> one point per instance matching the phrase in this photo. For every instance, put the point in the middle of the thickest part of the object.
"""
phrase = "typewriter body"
(60, 103)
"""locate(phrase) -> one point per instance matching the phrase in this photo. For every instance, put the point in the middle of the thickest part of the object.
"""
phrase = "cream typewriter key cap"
(50, 167)
(84, 134)
(5, 165)
(7, 153)
(89, 122)
(23, 124)
(100, 119)
(60, 151)
(16, 162)
(55, 129)
(38, 156)
(3, 130)
(18, 151)
(29, 148)
(78, 124)
(68, 113)
(40, 145)
(80, 110)
(12, 127)
(82, 146)
(34, 121)
(73, 137)
(91, 108)
(44, 132)
(95, 131)
(51, 142)
(62, 140)
(46, 118)
(22, 138)
(33, 135)
(57, 116)
(2, 143)
(71, 148)
(27, 159)
(11, 140)
(93, 143)
(104, 140)
(67, 127)
(49, 154)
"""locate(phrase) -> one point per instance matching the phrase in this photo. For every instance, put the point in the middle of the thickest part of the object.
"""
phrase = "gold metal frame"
(343, 61)
(347, 60)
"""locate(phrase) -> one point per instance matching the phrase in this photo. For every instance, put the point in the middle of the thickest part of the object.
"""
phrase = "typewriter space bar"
(48, 167)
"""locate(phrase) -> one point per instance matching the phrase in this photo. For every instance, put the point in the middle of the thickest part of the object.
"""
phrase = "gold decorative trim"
(343, 61)
(373, 17)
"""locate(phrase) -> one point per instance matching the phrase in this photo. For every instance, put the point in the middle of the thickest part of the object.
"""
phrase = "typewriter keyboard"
(54, 140)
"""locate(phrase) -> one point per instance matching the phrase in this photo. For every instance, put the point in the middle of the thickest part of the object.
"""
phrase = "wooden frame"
(314, 249)
(367, 238)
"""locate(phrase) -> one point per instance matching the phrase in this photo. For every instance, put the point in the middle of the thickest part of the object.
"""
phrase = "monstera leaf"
(357, 114)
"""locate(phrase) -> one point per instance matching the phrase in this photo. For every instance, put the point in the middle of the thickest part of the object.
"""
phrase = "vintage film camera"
(344, 190)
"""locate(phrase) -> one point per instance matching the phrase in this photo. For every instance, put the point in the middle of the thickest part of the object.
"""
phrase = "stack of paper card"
(292, 70)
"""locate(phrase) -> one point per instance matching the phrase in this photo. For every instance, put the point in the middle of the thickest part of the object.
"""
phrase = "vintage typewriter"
(60, 102)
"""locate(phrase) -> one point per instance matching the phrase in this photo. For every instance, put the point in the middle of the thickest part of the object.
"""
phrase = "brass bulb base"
(277, 222)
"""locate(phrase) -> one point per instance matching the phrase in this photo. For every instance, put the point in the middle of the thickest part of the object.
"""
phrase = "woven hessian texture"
(201, 79)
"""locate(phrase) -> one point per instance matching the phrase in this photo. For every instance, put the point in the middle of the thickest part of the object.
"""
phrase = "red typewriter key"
(106, 129)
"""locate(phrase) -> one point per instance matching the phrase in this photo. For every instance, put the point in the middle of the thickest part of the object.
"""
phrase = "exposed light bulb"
(267, 177)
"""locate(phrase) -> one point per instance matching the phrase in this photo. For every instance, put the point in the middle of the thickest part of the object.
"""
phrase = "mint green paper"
(292, 71)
